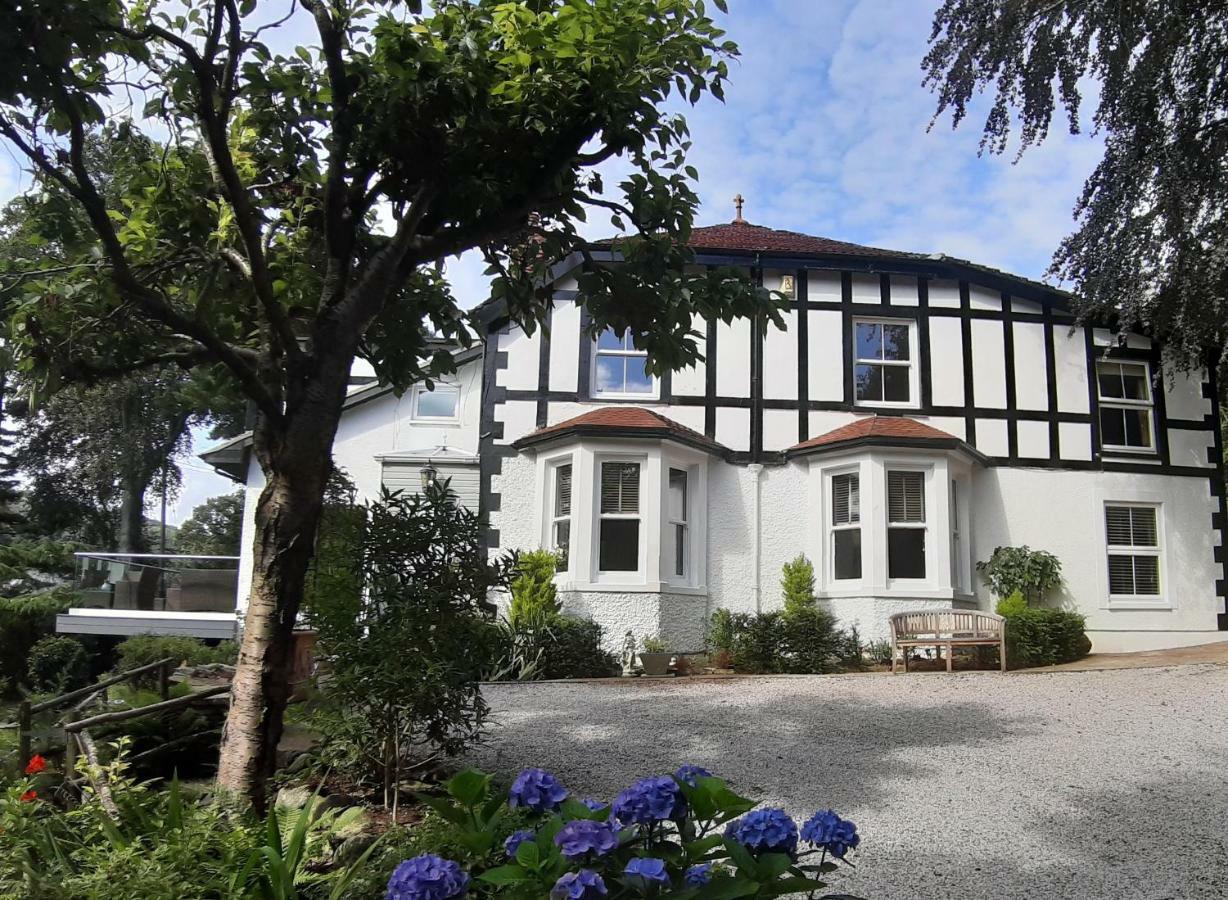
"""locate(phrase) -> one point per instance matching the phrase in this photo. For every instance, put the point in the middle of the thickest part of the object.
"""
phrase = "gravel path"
(1065, 785)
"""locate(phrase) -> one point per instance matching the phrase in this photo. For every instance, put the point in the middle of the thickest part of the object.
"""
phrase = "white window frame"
(599, 352)
(889, 466)
(912, 363)
(553, 519)
(830, 528)
(1136, 601)
(672, 574)
(615, 575)
(1120, 403)
(420, 389)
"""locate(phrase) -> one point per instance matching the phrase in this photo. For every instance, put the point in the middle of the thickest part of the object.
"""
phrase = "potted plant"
(655, 658)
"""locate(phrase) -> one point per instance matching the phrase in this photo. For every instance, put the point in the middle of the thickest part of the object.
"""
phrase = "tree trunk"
(131, 538)
(296, 459)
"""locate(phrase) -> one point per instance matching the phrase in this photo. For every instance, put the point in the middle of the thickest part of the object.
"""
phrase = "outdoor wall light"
(428, 475)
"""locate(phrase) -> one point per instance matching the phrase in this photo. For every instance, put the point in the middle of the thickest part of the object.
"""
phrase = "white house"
(916, 412)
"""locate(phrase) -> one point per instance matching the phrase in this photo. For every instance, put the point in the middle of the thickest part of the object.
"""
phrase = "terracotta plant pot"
(655, 664)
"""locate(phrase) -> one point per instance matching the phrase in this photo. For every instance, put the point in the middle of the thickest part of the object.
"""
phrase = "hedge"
(1037, 636)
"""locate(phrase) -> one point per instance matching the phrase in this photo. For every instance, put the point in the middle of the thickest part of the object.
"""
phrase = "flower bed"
(685, 835)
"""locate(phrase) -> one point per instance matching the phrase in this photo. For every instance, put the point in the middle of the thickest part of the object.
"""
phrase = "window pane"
(1117, 521)
(895, 384)
(680, 550)
(438, 404)
(562, 491)
(869, 381)
(905, 496)
(846, 545)
(1113, 426)
(638, 379)
(1134, 383)
(1138, 427)
(619, 549)
(869, 341)
(620, 487)
(610, 373)
(895, 342)
(1147, 575)
(1121, 575)
(905, 552)
(1143, 526)
(610, 340)
(562, 538)
(846, 500)
(677, 495)
(1108, 375)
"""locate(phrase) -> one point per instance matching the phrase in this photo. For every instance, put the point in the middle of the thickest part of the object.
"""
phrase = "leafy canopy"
(283, 211)
(1149, 249)
(214, 528)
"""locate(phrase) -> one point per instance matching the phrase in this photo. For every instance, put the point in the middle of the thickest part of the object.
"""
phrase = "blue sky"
(824, 131)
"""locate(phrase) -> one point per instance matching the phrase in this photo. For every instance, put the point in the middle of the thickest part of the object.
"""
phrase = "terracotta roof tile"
(625, 421)
(877, 427)
(747, 236)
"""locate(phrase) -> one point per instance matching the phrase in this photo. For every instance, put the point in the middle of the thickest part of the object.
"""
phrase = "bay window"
(905, 524)
(846, 526)
(560, 520)
(619, 514)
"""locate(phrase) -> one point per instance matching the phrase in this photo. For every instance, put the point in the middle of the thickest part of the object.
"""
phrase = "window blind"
(1131, 526)
(906, 497)
(846, 500)
(562, 491)
(620, 488)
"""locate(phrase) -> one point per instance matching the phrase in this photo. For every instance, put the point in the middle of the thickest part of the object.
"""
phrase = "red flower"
(37, 764)
(29, 796)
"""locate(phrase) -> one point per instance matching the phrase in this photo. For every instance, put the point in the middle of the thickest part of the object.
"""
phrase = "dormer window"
(884, 373)
(619, 369)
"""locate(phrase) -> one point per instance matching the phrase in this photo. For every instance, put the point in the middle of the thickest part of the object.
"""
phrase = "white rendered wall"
(368, 430)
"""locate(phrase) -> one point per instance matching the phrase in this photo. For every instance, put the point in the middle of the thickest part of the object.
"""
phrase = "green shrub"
(757, 644)
(58, 664)
(534, 597)
(1044, 637)
(723, 627)
(805, 642)
(24, 621)
(1012, 605)
(143, 649)
(574, 650)
(797, 585)
(1033, 573)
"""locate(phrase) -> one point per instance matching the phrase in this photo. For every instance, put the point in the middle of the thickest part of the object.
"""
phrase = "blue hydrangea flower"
(427, 877)
(514, 840)
(583, 885)
(689, 775)
(650, 800)
(581, 837)
(827, 830)
(538, 790)
(765, 831)
(644, 872)
(698, 875)
(592, 804)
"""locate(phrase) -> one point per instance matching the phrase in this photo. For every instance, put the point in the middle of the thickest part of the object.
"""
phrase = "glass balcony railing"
(158, 582)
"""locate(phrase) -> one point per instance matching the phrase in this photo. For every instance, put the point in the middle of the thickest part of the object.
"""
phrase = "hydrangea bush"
(683, 836)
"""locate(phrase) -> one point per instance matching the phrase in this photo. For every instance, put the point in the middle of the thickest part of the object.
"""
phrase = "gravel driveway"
(1057, 785)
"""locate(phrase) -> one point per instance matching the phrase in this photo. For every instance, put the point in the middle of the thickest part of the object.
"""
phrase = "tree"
(797, 585)
(1149, 250)
(302, 208)
(535, 598)
(214, 528)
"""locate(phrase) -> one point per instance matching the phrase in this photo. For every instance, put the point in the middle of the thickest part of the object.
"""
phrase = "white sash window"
(905, 524)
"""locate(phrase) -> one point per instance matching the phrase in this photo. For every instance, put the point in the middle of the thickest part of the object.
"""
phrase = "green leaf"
(468, 786)
(529, 855)
(741, 858)
(509, 874)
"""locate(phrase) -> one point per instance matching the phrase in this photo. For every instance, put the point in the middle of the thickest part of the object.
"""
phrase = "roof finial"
(738, 200)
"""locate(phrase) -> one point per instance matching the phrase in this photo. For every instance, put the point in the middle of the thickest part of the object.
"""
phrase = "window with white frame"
(618, 541)
(845, 527)
(677, 508)
(1126, 403)
(560, 518)
(883, 370)
(905, 524)
(1132, 534)
(619, 369)
(440, 404)
(957, 541)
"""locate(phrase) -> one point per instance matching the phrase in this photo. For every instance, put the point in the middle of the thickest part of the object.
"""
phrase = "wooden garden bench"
(948, 628)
